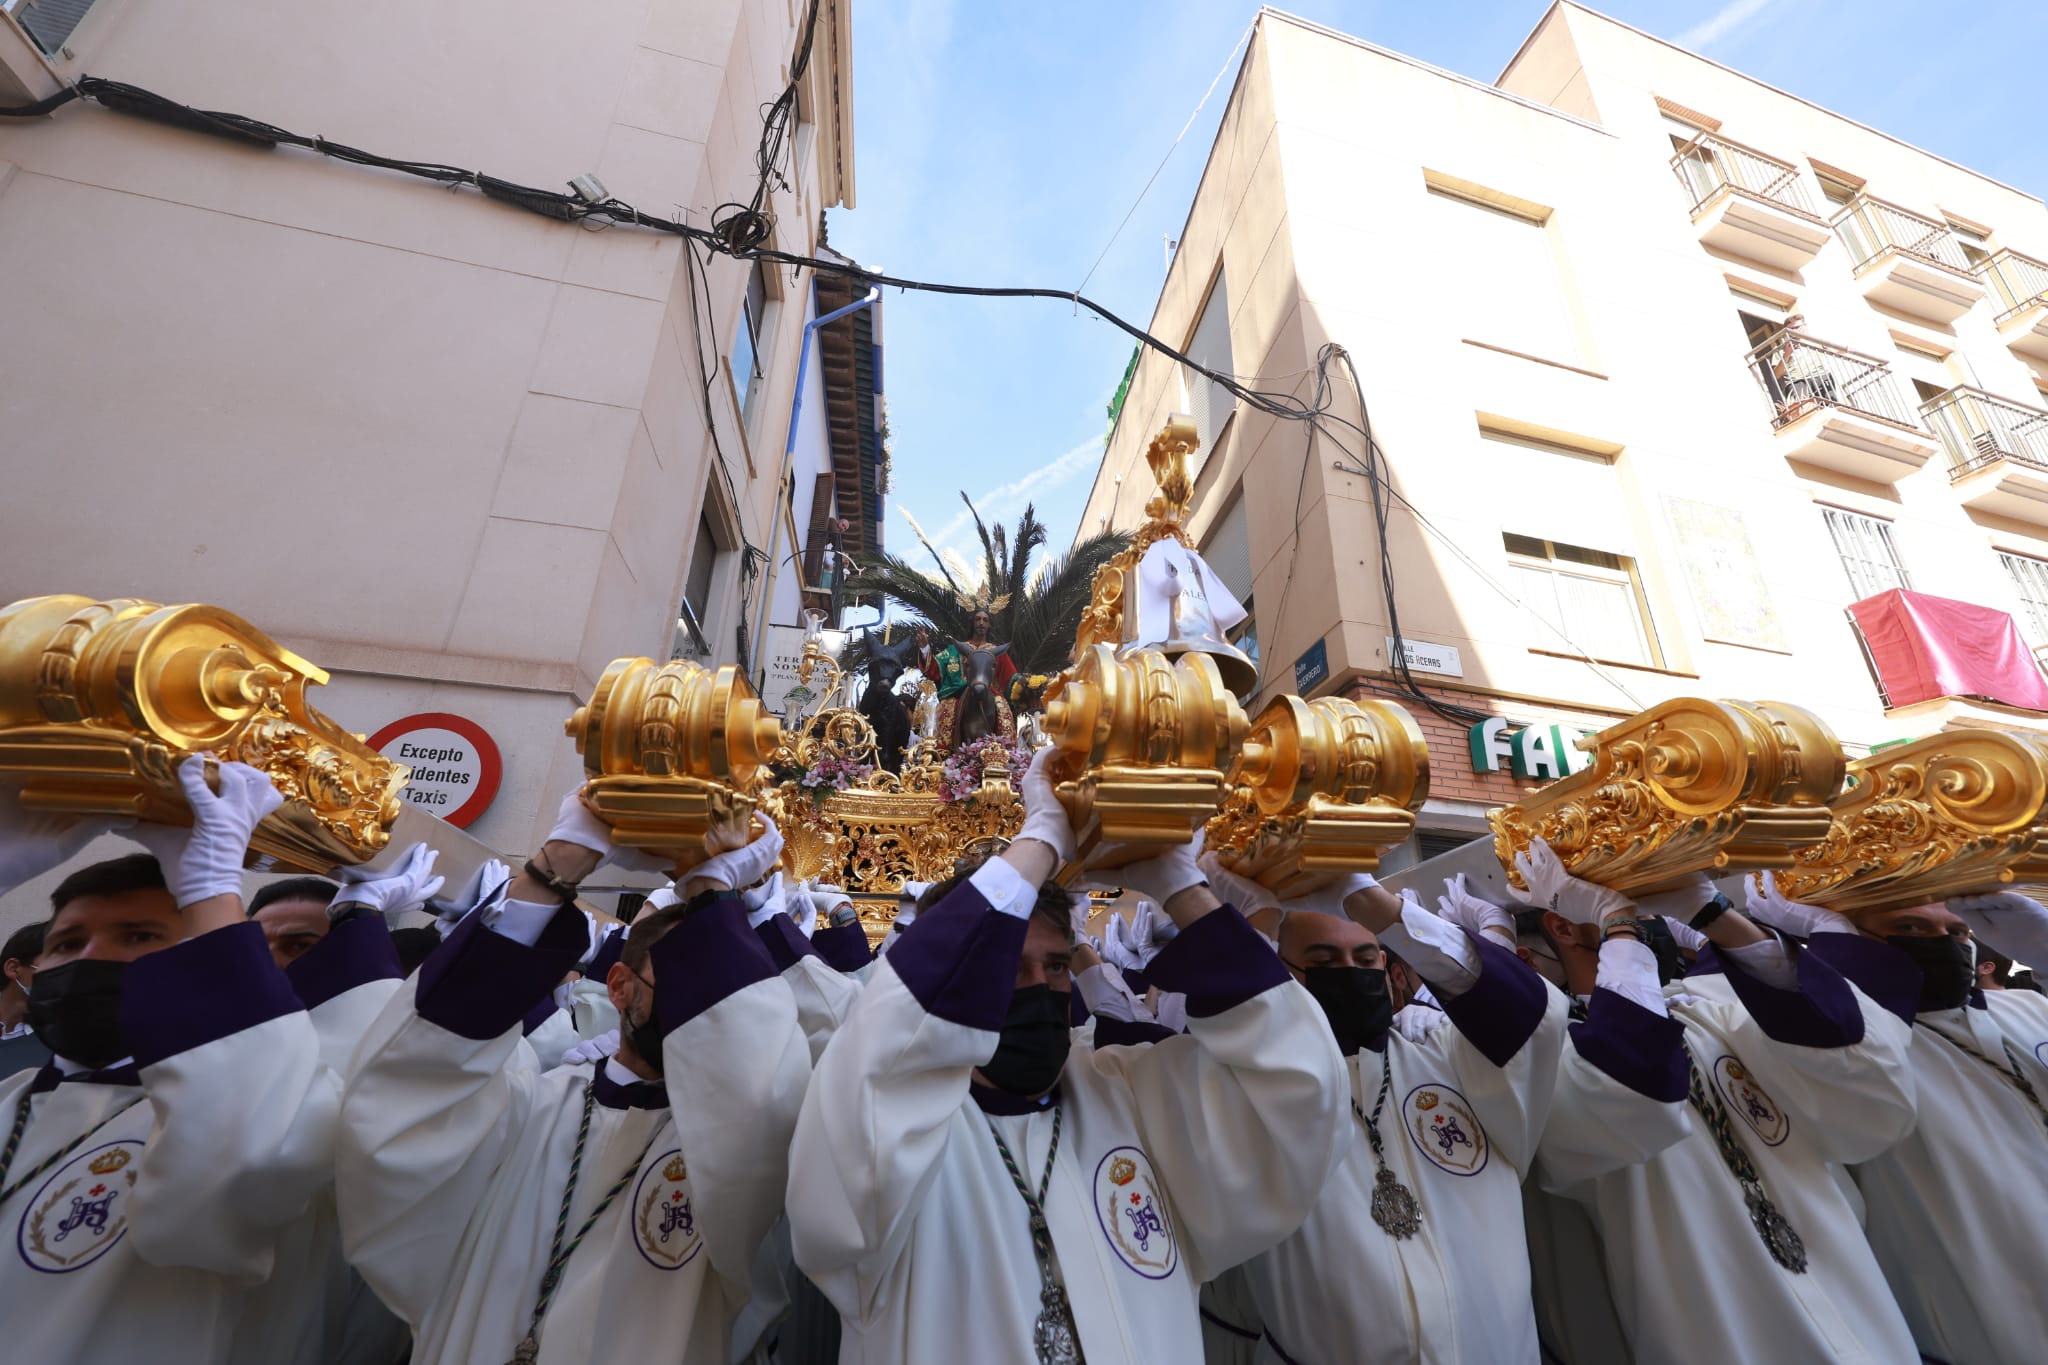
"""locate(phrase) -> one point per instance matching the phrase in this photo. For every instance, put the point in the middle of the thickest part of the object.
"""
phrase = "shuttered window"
(2030, 581)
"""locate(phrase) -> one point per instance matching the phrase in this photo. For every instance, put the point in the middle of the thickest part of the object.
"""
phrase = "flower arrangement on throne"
(968, 767)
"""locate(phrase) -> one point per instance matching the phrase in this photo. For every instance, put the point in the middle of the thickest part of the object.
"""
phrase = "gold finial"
(1168, 456)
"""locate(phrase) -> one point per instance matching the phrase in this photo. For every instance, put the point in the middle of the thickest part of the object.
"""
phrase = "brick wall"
(1450, 758)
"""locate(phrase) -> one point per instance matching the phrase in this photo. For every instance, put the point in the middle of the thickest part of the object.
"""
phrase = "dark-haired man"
(964, 1187)
(607, 1211)
(293, 913)
(186, 1117)
(19, 1049)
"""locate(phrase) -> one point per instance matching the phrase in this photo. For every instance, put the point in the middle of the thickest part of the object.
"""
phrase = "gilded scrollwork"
(1690, 785)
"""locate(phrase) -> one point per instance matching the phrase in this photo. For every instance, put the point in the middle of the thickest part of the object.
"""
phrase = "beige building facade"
(461, 456)
(1615, 475)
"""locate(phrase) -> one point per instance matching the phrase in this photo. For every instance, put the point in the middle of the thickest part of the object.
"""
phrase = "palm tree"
(1043, 607)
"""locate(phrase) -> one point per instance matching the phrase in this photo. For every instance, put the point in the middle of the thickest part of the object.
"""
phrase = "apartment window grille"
(1202, 398)
(2030, 581)
(1868, 555)
(1591, 599)
(49, 22)
(749, 341)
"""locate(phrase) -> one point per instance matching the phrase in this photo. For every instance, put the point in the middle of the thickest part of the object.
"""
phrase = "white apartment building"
(460, 455)
(1615, 474)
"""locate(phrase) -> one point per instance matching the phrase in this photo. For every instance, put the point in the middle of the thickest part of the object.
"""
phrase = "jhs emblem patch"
(81, 1210)
(1133, 1214)
(1741, 1093)
(1444, 1129)
(664, 1227)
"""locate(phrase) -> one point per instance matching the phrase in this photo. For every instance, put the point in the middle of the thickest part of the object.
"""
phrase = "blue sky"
(1000, 144)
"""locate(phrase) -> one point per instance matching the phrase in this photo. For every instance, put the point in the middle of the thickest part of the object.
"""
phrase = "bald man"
(1415, 1252)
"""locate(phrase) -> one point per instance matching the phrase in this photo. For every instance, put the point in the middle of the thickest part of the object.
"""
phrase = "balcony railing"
(2017, 281)
(1708, 164)
(1800, 375)
(1870, 226)
(1978, 429)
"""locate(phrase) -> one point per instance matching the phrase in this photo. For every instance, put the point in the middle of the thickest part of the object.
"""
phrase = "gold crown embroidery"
(675, 1169)
(106, 1163)
(1426, 1101)
(1122, 1171)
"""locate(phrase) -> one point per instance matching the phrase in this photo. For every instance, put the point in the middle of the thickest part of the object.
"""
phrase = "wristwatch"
(1711, 911)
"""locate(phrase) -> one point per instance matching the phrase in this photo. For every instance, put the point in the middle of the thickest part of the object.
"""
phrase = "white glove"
(826, 898)
(1469, 912)
(34, 841)
(1163, 929)
(1045, 819)
(1690, 940)
(575, 823)
(1550, 886)
(592, 1049)
(1330, 900)
(741, 867)
(1770, 906)
(662, 897)
(763, 902)
(1247, 895)
(485, 888)
(906, 905)
(206, 860)
(2008, 923)
(407, 886)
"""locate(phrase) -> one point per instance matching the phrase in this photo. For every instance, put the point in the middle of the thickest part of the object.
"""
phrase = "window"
(1589, 598)
(2030, 581)
(1839, 186)
(750, 338)
(1975, 249)
(693, 626)
(1500, 278)
(1202, 398)
(1868, 557)
(49, 22)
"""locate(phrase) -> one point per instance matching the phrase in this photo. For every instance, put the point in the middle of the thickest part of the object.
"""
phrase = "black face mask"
(1036, 1037)
(1947, 968)
(1658, 938)
(75, 1010)
(646, 1035)
(1356, 1001)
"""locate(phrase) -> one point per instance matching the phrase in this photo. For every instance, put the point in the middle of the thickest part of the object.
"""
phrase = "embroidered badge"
(1132, 1212)
(664, 1227)
(1749, 1100)
(78, 1214)
(1441, 1124)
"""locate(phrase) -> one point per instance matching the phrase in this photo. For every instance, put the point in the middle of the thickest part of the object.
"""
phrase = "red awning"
(1927, 647)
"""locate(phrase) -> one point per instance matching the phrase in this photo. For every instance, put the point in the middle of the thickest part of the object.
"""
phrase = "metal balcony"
(1997, 452)
(1906, 261)
(1838, 409)
(2019, 291)
(1749, 204)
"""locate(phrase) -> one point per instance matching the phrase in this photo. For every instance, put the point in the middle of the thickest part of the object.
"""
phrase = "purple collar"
(49, 1078)
(1002, 1103)
(639, 1095)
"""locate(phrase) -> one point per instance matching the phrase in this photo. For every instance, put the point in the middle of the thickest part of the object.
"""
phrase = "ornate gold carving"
(1687, 786)
(1144, 743)
(1322, 788)
(670, 750)
(1103, 622)
(100, 701)
(1956, 812)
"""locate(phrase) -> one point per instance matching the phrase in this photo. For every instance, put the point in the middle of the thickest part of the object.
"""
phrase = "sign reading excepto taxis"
(1533, 753)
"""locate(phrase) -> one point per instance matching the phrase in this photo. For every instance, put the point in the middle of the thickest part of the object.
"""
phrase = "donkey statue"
(981, 710)
(884, 709)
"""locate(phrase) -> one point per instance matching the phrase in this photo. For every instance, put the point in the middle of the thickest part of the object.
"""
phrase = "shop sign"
(1533, 753)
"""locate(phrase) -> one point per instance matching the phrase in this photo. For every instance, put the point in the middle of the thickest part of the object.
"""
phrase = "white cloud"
(1721, 23)
(995, 503)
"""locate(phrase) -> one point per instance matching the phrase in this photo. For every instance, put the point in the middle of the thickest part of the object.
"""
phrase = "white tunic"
(453, 1156)
(1175, 1161)
(1956, 1211)
(1463, 1110)
(140, 1244)
(1808, 1077)
(314, 1309)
